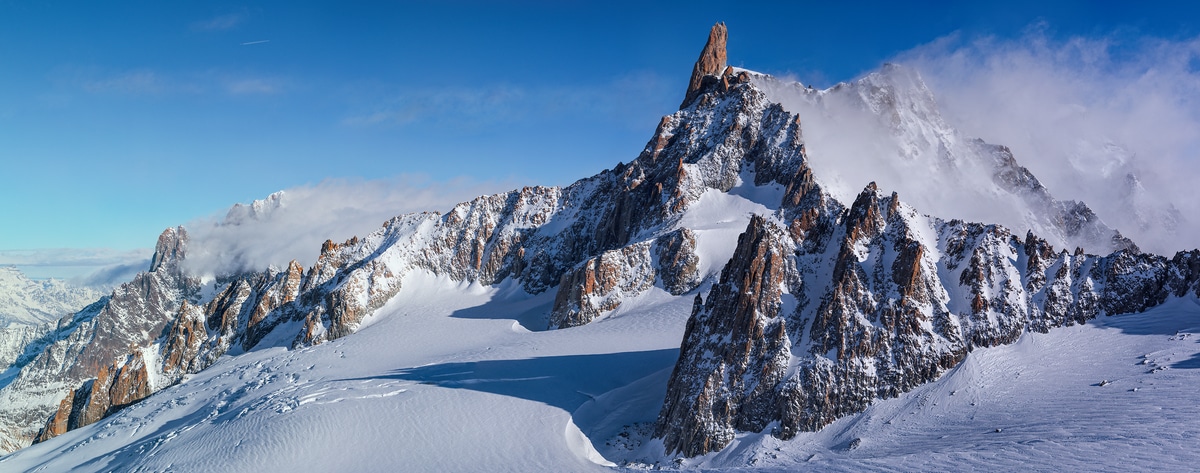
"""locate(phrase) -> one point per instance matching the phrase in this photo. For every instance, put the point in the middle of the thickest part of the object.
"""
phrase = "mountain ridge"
(816, 264)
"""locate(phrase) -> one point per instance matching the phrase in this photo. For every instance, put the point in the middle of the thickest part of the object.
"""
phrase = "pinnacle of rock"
(711, 61)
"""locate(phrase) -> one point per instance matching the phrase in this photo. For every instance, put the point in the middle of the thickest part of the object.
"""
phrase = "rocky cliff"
(792, 339)
(83, 345)
(596, 242)
(819, 307)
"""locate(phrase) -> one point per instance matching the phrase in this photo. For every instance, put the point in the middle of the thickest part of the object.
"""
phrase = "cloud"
(1083, 113)
(293, 224)
(637, 94)
(222, 22)
(290, 225)
(250, 86)
(128, 82)
(98, 267)
(109, 276)
(149, 82)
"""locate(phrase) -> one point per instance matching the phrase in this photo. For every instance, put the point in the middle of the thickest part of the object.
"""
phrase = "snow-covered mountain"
(64, 354)
(24, 301)
(721, 301)
(886, 128)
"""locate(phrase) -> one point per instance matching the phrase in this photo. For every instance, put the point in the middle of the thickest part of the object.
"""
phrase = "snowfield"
(448, 380)
(1117, 394)
(460, 376)
(448, 377)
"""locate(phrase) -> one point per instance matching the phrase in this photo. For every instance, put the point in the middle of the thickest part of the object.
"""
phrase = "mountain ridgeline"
(822, 307)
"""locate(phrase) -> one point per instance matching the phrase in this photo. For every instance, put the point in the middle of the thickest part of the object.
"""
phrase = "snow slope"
(454, 373)
(445, 378)
(1112, 395)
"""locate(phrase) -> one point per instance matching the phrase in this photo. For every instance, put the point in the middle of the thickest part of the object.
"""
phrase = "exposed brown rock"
(735, 348)
(59, 422)
(711, 62)
(601, 283)
(184, 341)
(115, 387)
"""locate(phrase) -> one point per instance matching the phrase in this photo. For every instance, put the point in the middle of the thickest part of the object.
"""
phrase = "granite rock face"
(822, 309)
(711, 62)
(907, 298)
(735, 345)
(114, 388)
(596, 242)
(678, 264)
(89, 343)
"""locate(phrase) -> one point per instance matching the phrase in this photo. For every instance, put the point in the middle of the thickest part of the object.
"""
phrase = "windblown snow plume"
(291, 224)
(1108, 121)
(886, 127)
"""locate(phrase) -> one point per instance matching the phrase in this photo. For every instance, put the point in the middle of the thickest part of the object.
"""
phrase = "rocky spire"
(711, 61)
(172, 244)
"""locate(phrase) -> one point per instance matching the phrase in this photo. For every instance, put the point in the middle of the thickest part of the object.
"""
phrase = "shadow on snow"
(565, 381)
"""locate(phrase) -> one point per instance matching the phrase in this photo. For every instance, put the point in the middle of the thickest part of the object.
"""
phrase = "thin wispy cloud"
(261, 41)
(634, 95)
(249, 86)
(129, 82)
(96, 267)
(222, 22)
(152, 82)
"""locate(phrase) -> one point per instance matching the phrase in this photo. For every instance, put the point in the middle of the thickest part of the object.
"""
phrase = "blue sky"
(118, 119)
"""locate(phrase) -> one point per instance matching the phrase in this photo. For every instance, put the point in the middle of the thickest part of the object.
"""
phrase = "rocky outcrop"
(171, 248)
(726, 382)
(114, 388)
(601, 283)
(907, 298)
(81, 346)
(678, 264)
(710, 63)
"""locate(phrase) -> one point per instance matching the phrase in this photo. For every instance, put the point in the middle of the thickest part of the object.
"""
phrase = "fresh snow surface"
(446, 379)
(718, 218)
(449, 377)
(1117, 394)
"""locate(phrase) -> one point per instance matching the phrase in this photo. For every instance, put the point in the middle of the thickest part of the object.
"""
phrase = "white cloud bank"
(293, 224)
(1082, 114)
(96, 267)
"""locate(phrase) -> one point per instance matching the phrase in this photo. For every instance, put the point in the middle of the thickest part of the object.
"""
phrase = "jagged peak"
(256, 210)
(170, 249)
(711, 61)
